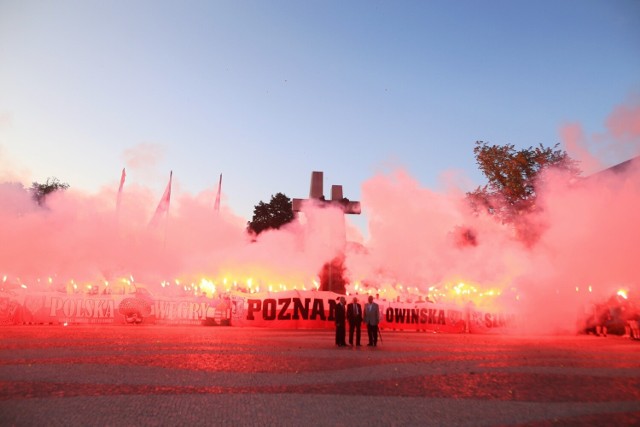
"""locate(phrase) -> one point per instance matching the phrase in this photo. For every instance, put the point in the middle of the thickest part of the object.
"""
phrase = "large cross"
(316, 193)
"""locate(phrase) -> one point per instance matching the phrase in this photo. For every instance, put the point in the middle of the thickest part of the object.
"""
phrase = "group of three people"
(355, 315)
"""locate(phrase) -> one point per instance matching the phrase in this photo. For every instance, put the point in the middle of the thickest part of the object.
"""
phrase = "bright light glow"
(208, 286)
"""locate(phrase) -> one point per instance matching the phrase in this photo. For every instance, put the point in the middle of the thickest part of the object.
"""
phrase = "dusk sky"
(265, 92)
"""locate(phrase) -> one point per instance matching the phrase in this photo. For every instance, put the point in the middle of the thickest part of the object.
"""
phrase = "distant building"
(620, 168)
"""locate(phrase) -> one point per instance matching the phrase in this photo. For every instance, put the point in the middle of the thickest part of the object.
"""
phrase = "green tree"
(274, 214)
(513, 175)
(39, 191)
(510, 194)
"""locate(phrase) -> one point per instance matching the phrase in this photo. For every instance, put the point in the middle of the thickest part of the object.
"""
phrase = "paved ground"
(154, 375)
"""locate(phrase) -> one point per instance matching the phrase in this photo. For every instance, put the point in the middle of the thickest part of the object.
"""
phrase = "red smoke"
(422, 242)
(620, 141)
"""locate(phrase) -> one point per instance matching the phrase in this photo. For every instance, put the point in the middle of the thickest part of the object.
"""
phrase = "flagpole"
(119, 197)
(216, 205)
(166, 219)
(163, 205)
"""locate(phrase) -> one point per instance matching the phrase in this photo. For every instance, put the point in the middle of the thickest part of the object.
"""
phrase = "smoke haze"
(421, 242)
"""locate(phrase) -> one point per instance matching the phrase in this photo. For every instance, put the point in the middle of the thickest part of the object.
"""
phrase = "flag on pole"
(216, 206)
(163, 206)
(122, 178)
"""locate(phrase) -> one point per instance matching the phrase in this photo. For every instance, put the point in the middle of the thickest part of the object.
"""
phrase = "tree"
(513, 176)
(39, 192)
(274, 214)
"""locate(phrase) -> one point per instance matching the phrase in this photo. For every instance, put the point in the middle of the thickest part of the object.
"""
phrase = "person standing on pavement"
(372, 319)
(354, 316)
(602, 317)
(340, 322)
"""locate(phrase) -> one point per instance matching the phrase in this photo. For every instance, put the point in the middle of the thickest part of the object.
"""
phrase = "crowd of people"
(354, 314)
(618, 315)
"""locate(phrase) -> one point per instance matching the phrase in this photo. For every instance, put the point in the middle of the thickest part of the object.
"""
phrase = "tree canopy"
(39, 191)
(274, 214)
(513, 175)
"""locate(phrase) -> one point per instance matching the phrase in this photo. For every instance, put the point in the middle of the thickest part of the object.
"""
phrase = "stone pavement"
(170, 375)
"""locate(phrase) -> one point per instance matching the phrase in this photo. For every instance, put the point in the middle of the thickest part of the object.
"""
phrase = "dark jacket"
(351, 315)
(340, 314)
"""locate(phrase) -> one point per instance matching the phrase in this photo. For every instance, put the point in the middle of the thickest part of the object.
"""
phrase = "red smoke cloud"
(624, 124)
(587, 249)
(82, 237)
(620, 141)
(421, 241)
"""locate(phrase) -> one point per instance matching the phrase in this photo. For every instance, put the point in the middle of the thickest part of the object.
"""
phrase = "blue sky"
(265, 92)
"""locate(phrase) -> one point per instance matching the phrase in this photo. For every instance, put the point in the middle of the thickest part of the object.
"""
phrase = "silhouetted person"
(602, 317)
(340, 322)
(354, 316)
